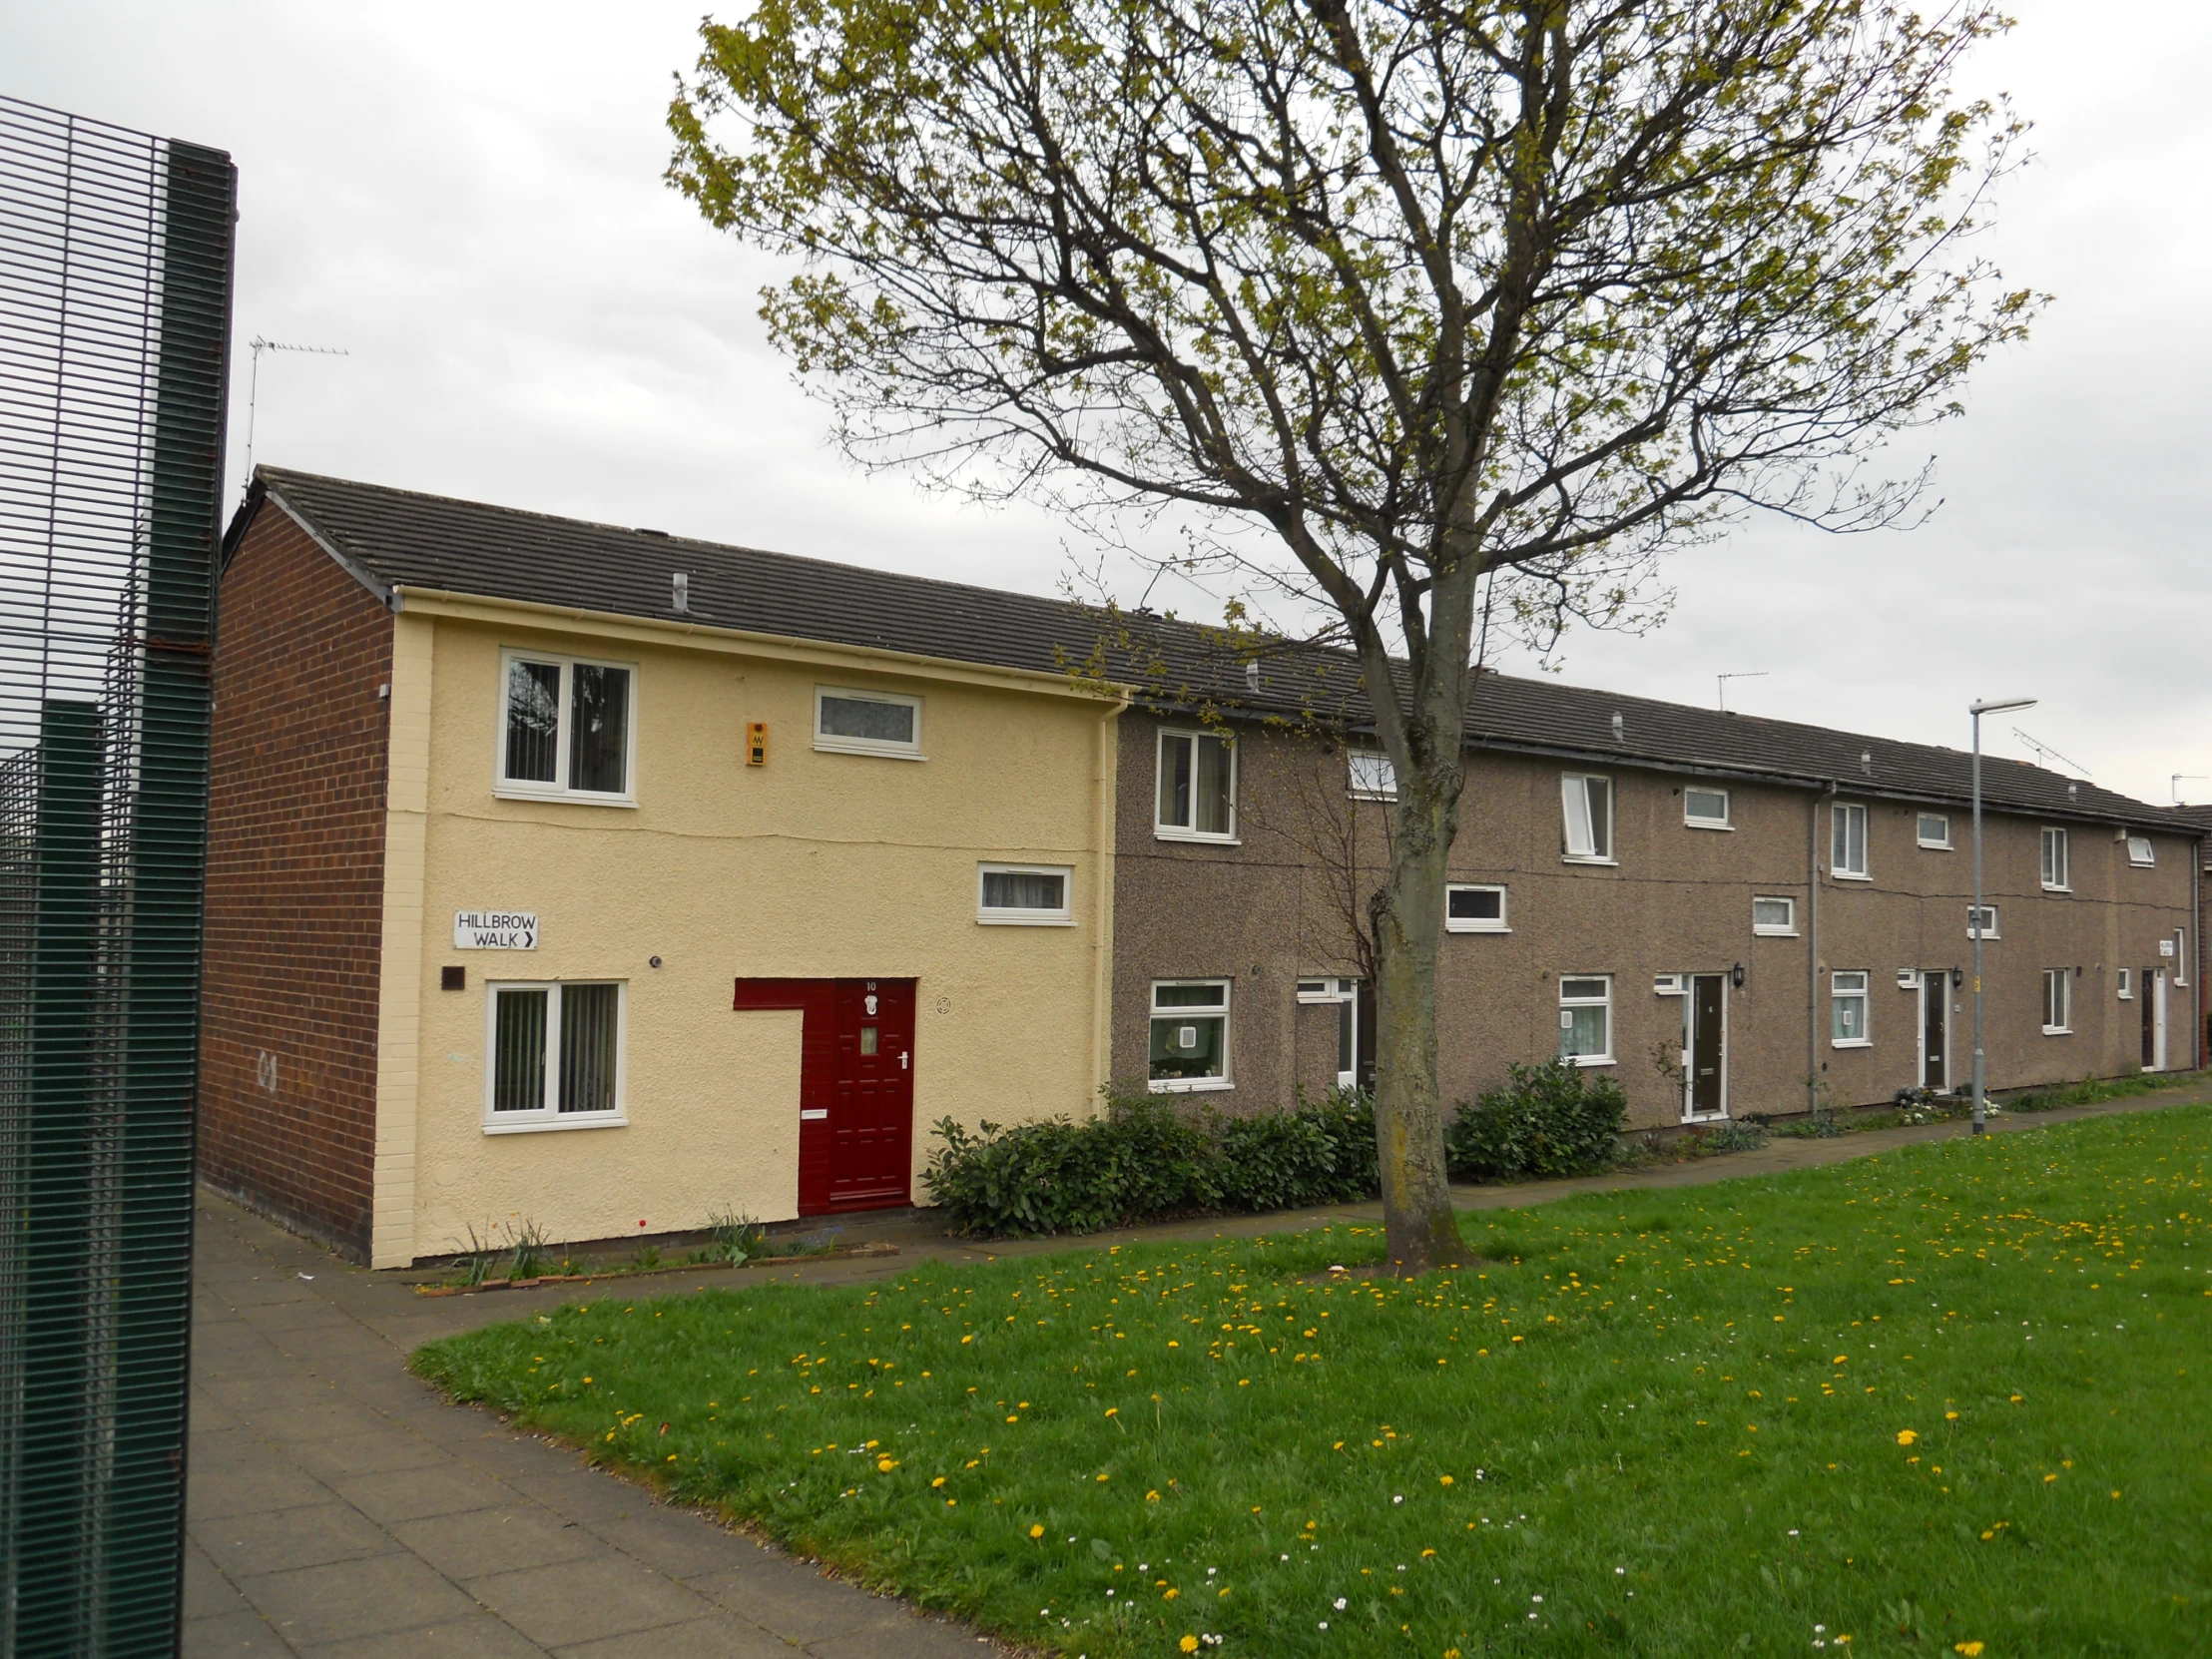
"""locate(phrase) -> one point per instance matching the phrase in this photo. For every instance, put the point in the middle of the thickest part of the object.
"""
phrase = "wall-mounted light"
(1736, 976)
(1958, 977)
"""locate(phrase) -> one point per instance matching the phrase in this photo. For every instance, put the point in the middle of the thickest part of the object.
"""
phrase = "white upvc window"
(1371, 776)
(1988, 921)
(1024, 896)
(2140, 853)
(567, 727)
(2181, 955)
(1705, 808)
(2057, 862)
(1774, 919)
(1344, 993)
(2125, 983)
(848, 720)
(1474, 907)
(1587, 801)
(553, 1055)
(1847, 852)
(1190, 1035)
(1848, 1004)
(1934, 830)
(1198, 787)
(1587, 1018)
(2058, 1003)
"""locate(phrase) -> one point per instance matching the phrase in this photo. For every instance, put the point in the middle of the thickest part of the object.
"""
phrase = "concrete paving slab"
(480, 1637)
(379, 1597)
(482, 1542)
(580, 1601)
(712, 1638)
(244, 1635)
(307, 1537)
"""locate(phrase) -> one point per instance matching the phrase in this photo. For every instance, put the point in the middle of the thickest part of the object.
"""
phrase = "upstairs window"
(2057, 1001)
(868, 722)
(1190, 1035)
(1988, 920)
(2056, 864)
(1024, 896)
(1588, 804)
(1198, 787)
(556, 1056)
(565, 727)
(1934, 830)
(1846, 853)
(1372, 775)
(1774, 919)
(1470, 908)
(2140, 853)
(1705, 808)
(1847, 1002)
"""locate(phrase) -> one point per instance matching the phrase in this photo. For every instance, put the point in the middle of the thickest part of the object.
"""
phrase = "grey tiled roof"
(402, 539)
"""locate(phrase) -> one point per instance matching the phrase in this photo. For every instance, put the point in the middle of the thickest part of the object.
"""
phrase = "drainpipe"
(2196, 936)
(1813, 947)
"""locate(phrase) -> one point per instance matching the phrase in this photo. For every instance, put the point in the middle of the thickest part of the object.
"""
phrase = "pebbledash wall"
(816, 864)
(1676, 899)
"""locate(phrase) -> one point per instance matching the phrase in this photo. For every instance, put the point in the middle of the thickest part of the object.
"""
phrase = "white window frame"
(1567, 1006)
(1380, 782)
(1696, 821)
(1465, 925)
(1319, 991)
(1993, 930)
(2058, 870)
(1571, 785)
(2126, 984)
(2059, 980)
(518, 788)
(988, 915)
(2149, 858)
(832, 743)
(549, 1116)
(1766, 931)
(1920, 832)
(2181, 955)
(1185, 833)
(1192, 1085)
(1840, 815)
(1863, 996)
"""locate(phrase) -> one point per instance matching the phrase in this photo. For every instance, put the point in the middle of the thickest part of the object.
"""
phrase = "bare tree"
(1391, 295)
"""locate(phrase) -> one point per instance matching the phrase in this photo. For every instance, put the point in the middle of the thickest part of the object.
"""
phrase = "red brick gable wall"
(287, 1087)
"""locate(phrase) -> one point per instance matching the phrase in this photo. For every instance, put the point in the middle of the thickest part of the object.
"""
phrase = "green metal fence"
(115, 299)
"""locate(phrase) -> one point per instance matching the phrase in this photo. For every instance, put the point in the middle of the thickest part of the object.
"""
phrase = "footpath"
(338, 1508)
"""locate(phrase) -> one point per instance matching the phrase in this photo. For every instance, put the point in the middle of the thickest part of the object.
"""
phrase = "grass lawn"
(1951, 1398)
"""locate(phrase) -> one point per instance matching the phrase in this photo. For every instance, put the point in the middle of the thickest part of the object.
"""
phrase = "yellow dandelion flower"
(939, 1481)
(1036, 1532)
(1971, 1650)
(1906, 1437)
(1189, 1644)
(1444, 1479)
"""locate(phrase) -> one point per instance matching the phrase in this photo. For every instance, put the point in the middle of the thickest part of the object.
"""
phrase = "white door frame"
(2157, 989)
(1941, 989)
(1689, 1049)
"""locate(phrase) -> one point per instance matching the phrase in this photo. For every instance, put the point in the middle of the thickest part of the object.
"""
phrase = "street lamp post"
(1973, 916)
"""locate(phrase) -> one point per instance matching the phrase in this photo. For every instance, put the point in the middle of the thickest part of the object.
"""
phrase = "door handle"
(902, 1059)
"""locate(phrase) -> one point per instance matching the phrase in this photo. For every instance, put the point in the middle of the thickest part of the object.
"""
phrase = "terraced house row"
(606, 881)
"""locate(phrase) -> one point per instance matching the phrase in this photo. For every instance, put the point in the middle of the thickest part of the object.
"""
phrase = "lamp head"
(1999, 703)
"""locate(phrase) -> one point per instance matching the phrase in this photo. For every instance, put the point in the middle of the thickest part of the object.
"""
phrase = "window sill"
(830, 745)
(1025, 921)
(1775, 933)
(1847, 875)
(1188, 1085)
(1463, 927)
(576, 1120)
(1194, 837)
(1988, 938)
(1707, 823)
(1850, 1042)
(1369, 794)
(2057, 1030)
(568, 798)
(1588, 1060)
(1935, 847)
(1579, 858)
(2047, 887)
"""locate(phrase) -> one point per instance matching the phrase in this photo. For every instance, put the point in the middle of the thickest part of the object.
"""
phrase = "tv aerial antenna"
(254, 381)
(2044, 754)
(1721, 682)
(2181, 778)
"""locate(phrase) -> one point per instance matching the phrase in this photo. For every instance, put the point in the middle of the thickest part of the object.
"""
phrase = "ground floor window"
(1190, 1035)
(1586, 1019)
(556, 1054)
(1344, 993)
(2057, 1001)
(1847, 997)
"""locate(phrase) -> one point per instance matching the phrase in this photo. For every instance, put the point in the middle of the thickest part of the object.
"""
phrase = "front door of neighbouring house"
(2153, 997)
(855, 1087)
(1704, 1055)
(1935, 1006)
(872, 1097)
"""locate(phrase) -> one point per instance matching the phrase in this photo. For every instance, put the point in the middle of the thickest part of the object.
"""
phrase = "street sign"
(495, 929)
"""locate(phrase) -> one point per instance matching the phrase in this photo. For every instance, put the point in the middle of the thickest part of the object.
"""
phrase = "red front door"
(855, 1088)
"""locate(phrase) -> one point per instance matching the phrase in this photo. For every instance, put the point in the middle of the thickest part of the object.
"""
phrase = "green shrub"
(1548, 1120)
(1143, 1159)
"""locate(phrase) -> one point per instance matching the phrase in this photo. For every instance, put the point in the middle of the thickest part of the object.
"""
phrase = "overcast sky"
(466, 199)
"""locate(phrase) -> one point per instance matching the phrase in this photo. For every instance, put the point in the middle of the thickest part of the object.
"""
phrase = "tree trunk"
(1407, 917)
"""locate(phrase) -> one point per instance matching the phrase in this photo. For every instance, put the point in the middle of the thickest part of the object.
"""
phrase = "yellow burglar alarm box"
(756, 744)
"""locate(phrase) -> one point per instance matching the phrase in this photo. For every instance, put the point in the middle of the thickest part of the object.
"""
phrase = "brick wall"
(288, 1090)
